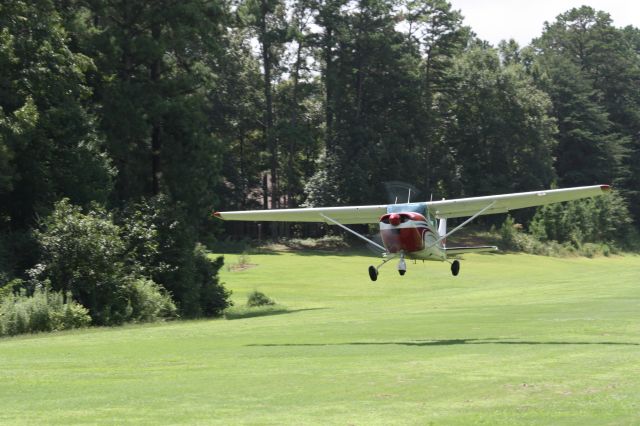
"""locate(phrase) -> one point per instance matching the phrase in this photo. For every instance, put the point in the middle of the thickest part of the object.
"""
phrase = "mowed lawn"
(514, 339)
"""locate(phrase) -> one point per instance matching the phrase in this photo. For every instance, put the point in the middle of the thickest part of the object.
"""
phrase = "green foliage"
(590, 227)
(11, 287)
(257, 298)
(83, 254)
(502, 132)
(323, 188)
(149, 302)
(214, 297)
(4, 267)
(239, 312)
(590, 69)
(102, 264)
(160, 240)
(258, 304)
(49, 148)
(513, 238)
(155, 64)
(43, 311)
(603, 219)
(243, 259)
(508, 233)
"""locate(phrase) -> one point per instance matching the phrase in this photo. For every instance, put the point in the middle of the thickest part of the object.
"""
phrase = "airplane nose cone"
(394, 219)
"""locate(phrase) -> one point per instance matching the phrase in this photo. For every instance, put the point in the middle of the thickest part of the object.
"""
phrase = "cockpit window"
(430, 219)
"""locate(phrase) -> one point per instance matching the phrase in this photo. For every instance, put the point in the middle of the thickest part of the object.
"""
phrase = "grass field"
(515, 339)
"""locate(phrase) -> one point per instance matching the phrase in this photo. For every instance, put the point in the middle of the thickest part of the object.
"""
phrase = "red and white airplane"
(418, 230)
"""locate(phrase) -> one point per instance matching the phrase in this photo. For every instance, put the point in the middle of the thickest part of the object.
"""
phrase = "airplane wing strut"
(462, 224)
(384, 250)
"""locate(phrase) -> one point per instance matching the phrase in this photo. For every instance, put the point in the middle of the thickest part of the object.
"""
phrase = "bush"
(600, 220)
(149, 302)
(257, 298)
(159, 238)
(240, 312)
(83, 254)
(508, 233)
(102, 263)
(43, 311)
(214, 297)
(514, 239)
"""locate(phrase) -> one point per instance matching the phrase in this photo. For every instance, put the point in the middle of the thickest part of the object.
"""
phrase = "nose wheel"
(455, 268)
(402, 265)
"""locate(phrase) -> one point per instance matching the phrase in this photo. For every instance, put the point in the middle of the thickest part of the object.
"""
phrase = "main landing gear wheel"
(455, 268)
(373, 273)
(402, 272)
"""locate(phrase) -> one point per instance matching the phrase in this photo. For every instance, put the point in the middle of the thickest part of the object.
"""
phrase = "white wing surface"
(344, 215)
(460, 207)
(463, 207)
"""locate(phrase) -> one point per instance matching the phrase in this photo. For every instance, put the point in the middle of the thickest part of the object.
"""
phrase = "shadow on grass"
(262, 311)
(453, 342)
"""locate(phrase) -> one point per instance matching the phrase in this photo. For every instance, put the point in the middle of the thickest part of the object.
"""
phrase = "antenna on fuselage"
(396, 202)
(409, 197)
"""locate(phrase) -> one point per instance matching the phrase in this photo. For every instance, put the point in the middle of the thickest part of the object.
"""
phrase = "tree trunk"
(272, 142)
(328, 84)
(156, 129)
(294, 124)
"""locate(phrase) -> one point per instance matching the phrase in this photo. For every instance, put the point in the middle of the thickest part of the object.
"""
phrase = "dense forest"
(123, 124)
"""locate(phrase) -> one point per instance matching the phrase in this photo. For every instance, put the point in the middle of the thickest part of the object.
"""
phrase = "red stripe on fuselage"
(405, 235)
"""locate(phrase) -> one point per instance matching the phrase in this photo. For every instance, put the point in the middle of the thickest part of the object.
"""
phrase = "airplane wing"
(460, 207)
(463, 207)
(344, 215)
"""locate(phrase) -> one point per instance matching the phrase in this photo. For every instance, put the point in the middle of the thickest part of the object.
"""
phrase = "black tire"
(401, 272)
(455, 268)
(373, 273)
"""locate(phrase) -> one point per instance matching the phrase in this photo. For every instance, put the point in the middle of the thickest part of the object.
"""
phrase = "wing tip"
(218, 215)
(605, 188)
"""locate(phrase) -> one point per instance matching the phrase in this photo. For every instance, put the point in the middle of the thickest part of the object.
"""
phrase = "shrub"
(11, 287)
(160, 239)
(149, 302)
(243, 259)
(74, 315)
(257, 298)
(83, 254)
(508, 233)
(43, 311)
(214, 297)
(240, 312)
(603, 219)
(514, 239)
(101, 263)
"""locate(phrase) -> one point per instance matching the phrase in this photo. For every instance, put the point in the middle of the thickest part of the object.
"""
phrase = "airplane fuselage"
(412, 234)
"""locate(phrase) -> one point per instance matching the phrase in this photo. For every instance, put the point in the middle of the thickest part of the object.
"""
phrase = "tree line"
(135, 119)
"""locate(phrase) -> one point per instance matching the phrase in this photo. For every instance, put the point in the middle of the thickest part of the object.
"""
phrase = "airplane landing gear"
(402, 265)
(455, 268)
(373, 273)
(373, 270)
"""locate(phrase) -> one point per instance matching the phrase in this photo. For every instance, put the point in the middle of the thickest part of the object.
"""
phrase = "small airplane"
(418, 230)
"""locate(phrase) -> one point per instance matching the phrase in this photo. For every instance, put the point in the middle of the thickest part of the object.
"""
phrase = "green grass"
(515, 339)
